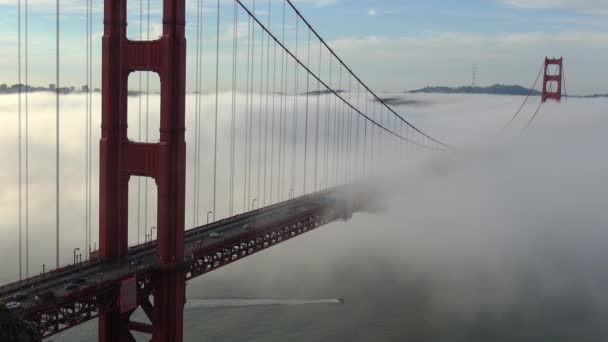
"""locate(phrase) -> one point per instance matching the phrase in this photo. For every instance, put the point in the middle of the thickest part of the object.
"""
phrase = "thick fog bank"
(502, 240)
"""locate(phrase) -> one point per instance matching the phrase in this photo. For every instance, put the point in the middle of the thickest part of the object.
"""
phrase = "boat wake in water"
(220, 303)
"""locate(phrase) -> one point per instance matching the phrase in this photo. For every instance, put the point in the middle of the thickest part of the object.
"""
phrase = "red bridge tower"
(553, 78)
(164, 162)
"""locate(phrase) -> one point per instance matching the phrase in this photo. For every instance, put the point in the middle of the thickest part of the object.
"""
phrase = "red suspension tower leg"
(113, 190)
(169, 284)
(164, 161)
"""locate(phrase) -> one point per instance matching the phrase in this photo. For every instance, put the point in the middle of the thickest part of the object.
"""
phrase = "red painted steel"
(128, 295)
(57, 309)
(557, 77)
(164, 161)
(69, 309)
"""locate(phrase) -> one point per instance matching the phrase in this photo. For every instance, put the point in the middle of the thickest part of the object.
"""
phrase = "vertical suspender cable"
(372, 164)
(317, 125)
(396, 142)
(335, 139)
(217, 79)
(147, 118)
(139, 126)
(196, 111)
(259, 198)
(90, 128)
(284, 128)
(251, 112)
(343, 140)
(306, 115)
(380, 146)
(401, 143)
(274, 93)
(281, 94)
(357, 132)
(245, 159)
(382, 137)
(199, 113)
(266, 111)
(364, 168)
(91, 86)
(380, 140)
(20, 138)
(407, 145)
(232, 119)
(283, 117)
(86, 153)
(391, 141)
(88, 133)
(27, 145)
(340, 133)
(327, 124)
(292, 189)
(348, 132)
(57, 218)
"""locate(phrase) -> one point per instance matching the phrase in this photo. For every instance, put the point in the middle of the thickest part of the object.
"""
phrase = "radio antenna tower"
(474, 83)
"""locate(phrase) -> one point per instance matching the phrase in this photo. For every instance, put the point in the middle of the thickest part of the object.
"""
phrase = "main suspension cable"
(333, 91)
(540, 71)
(290, 2)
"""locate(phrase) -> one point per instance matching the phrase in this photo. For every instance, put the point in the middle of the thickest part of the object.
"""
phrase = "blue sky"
(397, 18)
(394, 45)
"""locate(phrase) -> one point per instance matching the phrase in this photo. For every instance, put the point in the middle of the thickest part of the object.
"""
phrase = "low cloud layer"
(502, 240)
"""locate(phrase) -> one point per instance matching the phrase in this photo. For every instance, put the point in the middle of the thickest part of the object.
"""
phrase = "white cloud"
(582, 5)
(371, 12)
(317, 3)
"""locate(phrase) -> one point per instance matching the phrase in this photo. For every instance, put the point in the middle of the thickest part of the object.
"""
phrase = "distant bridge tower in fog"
(553, 79)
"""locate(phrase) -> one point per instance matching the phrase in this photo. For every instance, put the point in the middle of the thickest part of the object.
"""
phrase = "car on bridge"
(19, 296)
(46, 296)
(13, 305)
(71, 286)
(216, 235)
(79, 280)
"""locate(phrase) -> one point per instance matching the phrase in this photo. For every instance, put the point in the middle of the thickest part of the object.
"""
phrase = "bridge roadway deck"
(67, 297)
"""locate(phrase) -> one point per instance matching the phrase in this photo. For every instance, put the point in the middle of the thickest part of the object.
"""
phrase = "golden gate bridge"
(297, 139)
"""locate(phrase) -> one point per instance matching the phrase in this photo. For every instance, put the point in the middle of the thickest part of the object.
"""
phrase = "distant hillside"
(497, 89)
(594, 96)
(323, 92)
